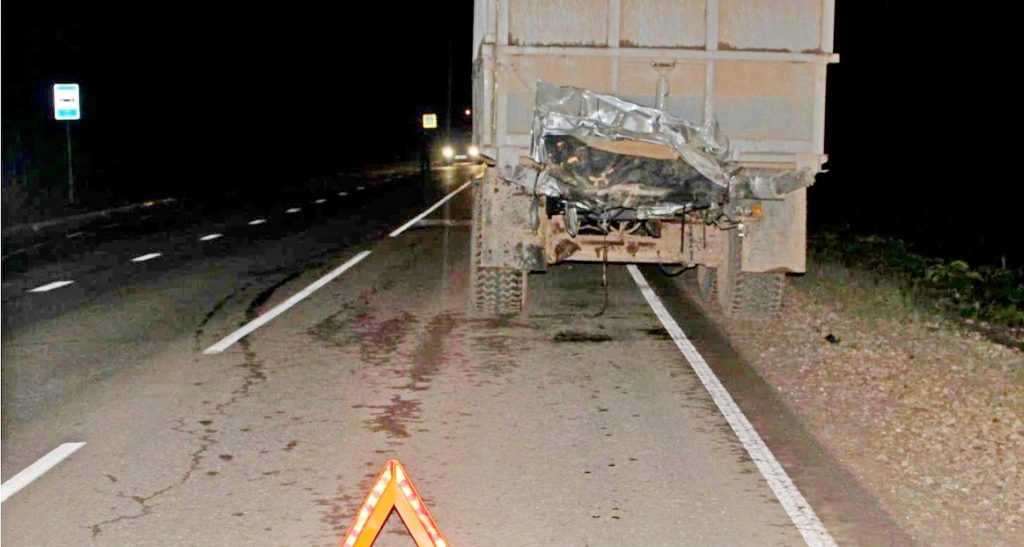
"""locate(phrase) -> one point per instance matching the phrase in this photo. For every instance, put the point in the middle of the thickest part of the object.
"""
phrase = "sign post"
(67, 106)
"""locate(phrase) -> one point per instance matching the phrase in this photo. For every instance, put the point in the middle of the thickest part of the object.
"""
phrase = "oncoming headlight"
(448, 152)
(474, 151)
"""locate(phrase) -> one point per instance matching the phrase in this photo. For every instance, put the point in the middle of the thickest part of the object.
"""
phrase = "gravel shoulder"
(927, 415)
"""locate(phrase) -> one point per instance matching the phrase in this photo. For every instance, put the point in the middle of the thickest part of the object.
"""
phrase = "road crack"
(145, 507)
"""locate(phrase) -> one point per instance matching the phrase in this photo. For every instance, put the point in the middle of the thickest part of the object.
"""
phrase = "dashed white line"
(145, 257)
(36, 470)
(210, 237)
(257, 221)
(51, 286)
(361, 188)
(230, 339)
(319, 201)
(293, 210)
(796, 506)
(73, 235)
(342, 194)
(440, 202)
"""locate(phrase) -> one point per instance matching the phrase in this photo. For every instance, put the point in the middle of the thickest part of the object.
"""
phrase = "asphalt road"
(561, 427)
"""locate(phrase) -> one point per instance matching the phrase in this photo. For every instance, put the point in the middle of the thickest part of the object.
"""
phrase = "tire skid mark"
(254, 375)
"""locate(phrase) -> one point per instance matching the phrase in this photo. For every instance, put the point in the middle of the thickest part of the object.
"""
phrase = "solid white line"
(36, 470)
(293, 210)
(800, 512)
(230, 339)
(257, 221)
(440, 202)
(51, 286)
(146, 257)
(319, 201)
(210, 237)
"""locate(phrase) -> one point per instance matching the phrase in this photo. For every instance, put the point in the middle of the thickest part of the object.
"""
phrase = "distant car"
(460, 154)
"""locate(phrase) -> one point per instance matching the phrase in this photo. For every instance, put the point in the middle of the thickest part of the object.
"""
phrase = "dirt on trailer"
(928, 415)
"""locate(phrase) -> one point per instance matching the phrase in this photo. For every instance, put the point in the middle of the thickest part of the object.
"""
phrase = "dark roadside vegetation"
(890, 274)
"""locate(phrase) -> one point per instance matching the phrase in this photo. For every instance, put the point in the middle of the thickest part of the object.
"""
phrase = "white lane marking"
(36, 470)
(319, 201)
(293, 210)
(74, 235)
(257, 221)
(361, 188)
(230, 339)
(439, 203)
(342, 194)
(51, 286)
(145, 257)
(799, 511)
(210, 237)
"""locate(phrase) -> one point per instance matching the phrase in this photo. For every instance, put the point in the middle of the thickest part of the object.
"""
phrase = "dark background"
(187, 99)
(921, 127)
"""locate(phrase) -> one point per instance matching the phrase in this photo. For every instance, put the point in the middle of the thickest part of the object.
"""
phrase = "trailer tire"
(498, 291)
(746, 294)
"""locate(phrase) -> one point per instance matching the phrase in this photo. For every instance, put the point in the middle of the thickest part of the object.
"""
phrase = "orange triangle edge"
(393, 489)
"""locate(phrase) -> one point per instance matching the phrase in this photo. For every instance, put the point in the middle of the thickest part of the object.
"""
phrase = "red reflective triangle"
(393, 490)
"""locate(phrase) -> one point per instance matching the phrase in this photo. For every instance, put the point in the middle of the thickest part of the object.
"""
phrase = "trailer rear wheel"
(498, 291)
(745, 294)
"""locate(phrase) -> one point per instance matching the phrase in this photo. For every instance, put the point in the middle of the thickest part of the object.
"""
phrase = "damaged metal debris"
(606, 159)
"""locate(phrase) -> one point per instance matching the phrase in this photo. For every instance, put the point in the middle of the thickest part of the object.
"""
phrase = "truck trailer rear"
(678, 132)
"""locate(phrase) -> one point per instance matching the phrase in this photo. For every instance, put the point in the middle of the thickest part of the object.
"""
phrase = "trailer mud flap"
(776, 242)
(507, 240)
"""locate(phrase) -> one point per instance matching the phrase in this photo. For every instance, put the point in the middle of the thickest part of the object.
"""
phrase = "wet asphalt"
(564, 426)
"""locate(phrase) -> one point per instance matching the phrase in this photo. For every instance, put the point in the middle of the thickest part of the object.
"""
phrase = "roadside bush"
(987, 292)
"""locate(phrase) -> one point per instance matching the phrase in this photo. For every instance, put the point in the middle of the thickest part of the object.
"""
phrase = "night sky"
(922, 121)
(194, 94)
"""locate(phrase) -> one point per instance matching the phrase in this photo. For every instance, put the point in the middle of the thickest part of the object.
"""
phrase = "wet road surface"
(560, 427)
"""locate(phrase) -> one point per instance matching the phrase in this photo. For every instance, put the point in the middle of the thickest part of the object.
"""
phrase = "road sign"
(66, 103)
(393, 490)
(430, 121)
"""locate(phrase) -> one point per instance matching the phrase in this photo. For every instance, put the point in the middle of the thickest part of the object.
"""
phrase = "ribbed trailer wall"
(758, 65)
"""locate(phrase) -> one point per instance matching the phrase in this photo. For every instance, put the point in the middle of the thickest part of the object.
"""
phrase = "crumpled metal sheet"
(577, 141)
(581, 113)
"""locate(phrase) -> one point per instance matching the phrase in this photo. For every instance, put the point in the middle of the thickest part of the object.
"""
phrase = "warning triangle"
(393, 490)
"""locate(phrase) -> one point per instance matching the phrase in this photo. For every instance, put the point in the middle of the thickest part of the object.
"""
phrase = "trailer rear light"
(756, 211)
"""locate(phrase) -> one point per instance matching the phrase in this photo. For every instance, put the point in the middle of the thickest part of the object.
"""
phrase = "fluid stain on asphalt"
(393, 418)
(430, 354)
(496, 353)
(378, 340)
(336, 329)
(578, 336)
